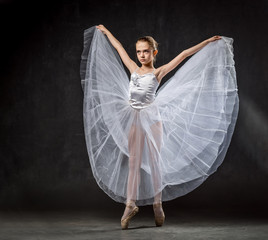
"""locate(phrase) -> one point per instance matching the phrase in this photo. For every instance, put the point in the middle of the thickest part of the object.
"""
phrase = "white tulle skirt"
(170, 147)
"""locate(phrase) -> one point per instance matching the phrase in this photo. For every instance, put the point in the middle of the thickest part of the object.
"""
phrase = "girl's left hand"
(102, 28)
(212, 39)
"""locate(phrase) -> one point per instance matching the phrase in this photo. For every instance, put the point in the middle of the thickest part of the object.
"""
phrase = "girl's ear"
(155, 52)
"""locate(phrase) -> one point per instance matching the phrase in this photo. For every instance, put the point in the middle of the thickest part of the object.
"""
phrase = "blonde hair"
(152, 43)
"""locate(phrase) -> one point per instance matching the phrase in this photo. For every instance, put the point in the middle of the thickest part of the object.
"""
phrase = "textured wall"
(43, 158)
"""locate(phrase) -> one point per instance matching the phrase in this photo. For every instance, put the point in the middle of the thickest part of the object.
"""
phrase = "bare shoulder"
(159, 73)
(133, 67)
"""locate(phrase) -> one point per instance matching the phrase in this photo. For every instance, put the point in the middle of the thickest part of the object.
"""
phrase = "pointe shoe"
(125, 221)
(159, 219)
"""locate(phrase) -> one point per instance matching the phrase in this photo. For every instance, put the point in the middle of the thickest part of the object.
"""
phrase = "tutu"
(169, 147)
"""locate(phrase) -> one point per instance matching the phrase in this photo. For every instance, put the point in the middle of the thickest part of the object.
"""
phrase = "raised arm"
(130, 64)
(165, 69)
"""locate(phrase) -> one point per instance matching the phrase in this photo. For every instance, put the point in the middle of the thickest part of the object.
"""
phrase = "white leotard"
(142, 89)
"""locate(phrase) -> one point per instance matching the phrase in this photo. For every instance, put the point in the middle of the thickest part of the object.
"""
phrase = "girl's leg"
(135, 145)
(154, 145)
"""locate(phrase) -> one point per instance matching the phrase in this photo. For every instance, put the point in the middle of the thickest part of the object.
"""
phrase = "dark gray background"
(43, 159)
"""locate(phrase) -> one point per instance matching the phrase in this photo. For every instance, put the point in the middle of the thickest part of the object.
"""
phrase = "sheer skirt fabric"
(170, 147)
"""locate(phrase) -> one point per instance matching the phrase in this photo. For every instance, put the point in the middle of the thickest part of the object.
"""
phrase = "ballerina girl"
(148, 147)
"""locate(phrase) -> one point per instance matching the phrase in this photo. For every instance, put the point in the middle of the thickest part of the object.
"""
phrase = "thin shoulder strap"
(136, 69)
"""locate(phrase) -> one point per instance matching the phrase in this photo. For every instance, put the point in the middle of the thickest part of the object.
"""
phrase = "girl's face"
(144, 52)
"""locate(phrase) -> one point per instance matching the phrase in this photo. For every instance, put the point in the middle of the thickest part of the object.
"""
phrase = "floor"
(78, 225)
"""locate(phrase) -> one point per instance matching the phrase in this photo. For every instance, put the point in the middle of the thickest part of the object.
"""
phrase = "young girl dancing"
(147, 147)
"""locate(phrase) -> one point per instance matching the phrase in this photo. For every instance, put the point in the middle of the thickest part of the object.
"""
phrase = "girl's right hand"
(214, 38)
(103, 29)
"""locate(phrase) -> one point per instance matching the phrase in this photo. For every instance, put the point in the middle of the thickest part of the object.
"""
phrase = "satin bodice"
(142, 89)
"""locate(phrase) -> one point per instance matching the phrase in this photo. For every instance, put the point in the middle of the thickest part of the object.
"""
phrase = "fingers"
(214, 38)
(100, 27)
